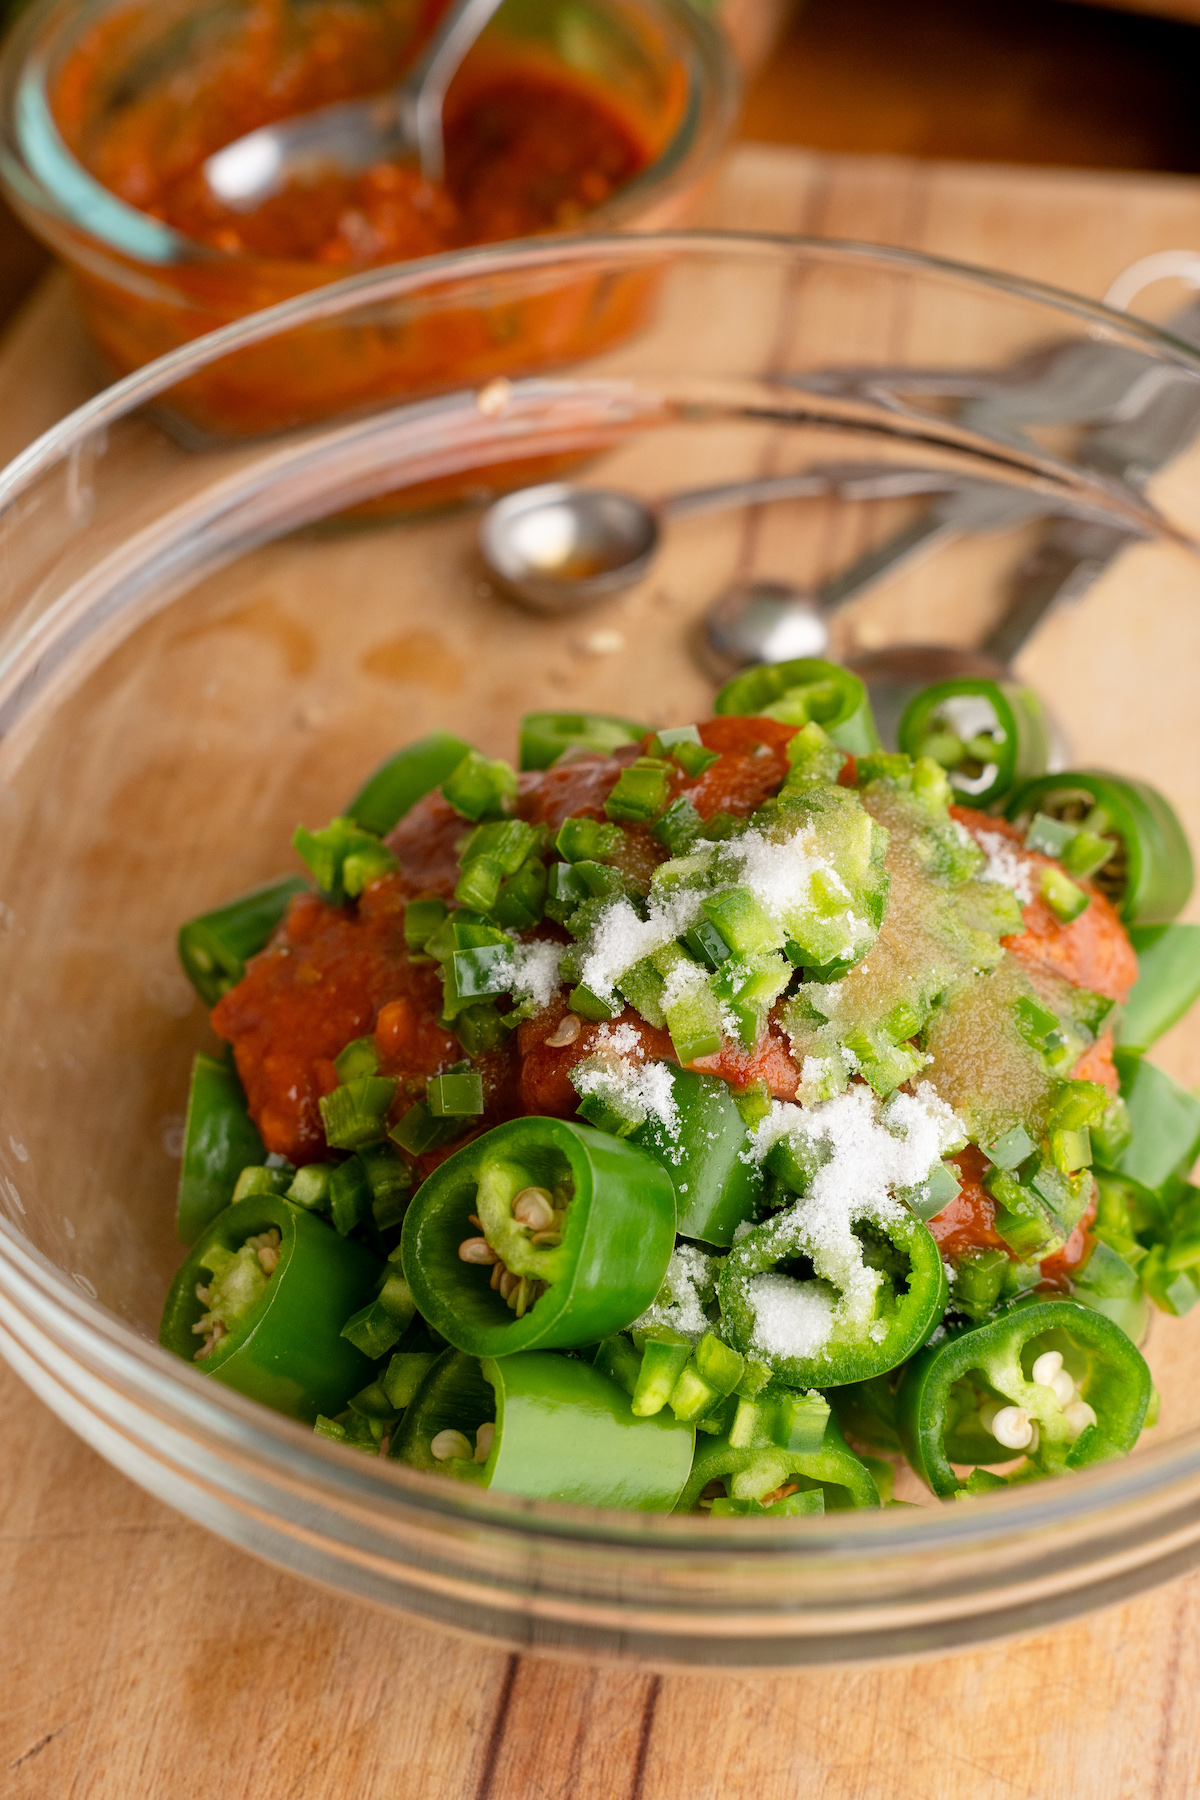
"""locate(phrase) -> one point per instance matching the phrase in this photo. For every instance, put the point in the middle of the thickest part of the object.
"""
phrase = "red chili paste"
(530, 147)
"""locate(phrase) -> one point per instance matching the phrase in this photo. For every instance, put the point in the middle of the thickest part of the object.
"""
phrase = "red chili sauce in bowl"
(533, 145)
(530, 145)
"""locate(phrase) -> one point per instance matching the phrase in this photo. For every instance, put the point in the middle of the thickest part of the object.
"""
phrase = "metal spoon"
(351, 135)
(560, 548)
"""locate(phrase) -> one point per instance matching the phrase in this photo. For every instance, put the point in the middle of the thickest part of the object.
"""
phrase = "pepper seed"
(476, 1250)
(534, 1207)
(565, 1033)
(449, 1444)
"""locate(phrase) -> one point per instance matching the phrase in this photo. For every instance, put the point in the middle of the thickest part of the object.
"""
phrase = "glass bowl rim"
(227, 1420)
(50, 180)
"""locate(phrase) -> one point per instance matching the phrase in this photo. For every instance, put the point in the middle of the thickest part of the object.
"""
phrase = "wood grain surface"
(142, 1658)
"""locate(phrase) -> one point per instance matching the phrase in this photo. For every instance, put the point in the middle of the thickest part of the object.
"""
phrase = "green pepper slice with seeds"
(280, 1327)
(544, 1427)
(989, 736)
(582, 1223)
(1147, 872)
(1051, 1379)
(803, 691)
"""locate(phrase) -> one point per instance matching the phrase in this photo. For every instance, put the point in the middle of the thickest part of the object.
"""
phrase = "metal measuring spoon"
(351, 135)
(560, 548)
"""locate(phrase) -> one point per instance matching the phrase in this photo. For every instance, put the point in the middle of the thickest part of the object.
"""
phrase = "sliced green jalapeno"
(766, 1296)
(545, 1427)
(215, 947)
(219, 1141)
(987, 735)
(540, 1234)
(1146, 865)
(396, 786)
(276, 1285)
(545, 736)
(805, 690)
(780, 1483)
(715, 1188)
(1052, 1379)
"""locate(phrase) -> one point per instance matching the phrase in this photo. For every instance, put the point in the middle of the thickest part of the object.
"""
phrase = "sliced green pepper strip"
(1149, 876)
(715, 1189)
(1164, 1120)
(545, 736)
(751, 1473)
(286, 1348)
(396, 786)
(617, 1234)
(563, 1431)
(803, 690)
(219, 1141)
(215, 947)
(851, 1350)
(987, 735)
(1168, 982)
(938, 1401)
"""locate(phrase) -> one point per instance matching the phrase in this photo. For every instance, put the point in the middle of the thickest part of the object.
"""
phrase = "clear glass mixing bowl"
(201, 646)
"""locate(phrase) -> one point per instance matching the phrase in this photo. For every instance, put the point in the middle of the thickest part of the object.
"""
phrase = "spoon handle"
(423, 92)
(853, 481)
(1059, 571)
(919, 539)
(801, 486)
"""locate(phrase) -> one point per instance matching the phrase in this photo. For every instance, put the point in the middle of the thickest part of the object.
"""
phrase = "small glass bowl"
(145, 289)
(197, 650)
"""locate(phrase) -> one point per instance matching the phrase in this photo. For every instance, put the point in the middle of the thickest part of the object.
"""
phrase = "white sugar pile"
(617, 1073)
(866, 1152)
(620, 939)
(680, 1302)
(792, 1318)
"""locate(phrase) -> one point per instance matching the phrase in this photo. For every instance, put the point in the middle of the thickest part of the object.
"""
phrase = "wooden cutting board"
(140, 1657)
